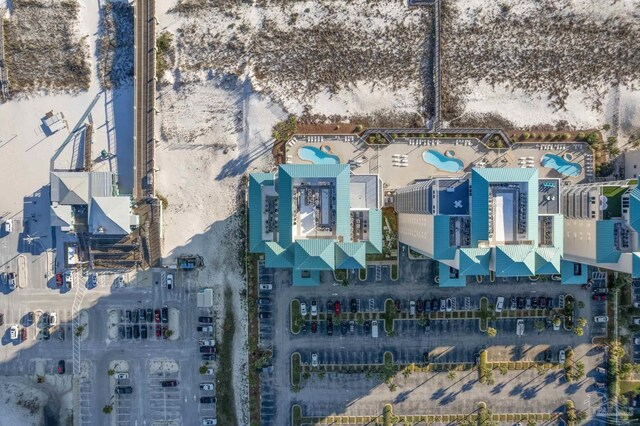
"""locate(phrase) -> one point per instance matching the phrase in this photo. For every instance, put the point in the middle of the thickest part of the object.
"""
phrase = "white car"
(314, 360)
(207, 342)
(520, 327)
(53, 318)
(169, 281)
(122, 376)
(209, 372)
(600, 318)
(209, 422)
(68, 279)
(8, 226)
(13, 332)
(500, 304)
(561, 356)
(266, 287)
(206, 386)
(303, 308)
(314, 308)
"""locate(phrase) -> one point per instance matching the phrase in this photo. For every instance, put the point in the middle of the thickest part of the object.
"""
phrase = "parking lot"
(445, 338)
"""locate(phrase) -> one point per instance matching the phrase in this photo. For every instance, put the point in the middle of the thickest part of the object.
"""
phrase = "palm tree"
(107, 408)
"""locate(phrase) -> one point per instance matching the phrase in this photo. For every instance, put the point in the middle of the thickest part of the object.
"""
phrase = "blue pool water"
(442, 162)
(560, 165)
(317, 156)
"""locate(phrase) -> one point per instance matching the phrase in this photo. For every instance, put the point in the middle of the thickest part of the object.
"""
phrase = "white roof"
(110, 216)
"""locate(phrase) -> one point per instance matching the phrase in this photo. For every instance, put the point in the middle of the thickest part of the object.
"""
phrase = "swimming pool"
(317, 156)
(442, 162)
(560, 165)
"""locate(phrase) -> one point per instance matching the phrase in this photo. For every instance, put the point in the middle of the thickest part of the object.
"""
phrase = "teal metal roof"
(288, 172)
(276, 256)
(635, 265)
(606, 251)
(548, 260)
(256, 182)
(351, 255)
(314, 254)
(515, 261)
(374, 245)
(446, 281)
(568, 276)
(474, 261)
(480, 181)
(634, 209)
(441, 248)
(312, 280)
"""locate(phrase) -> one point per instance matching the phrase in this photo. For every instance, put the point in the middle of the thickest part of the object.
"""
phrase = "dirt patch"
(42, 48)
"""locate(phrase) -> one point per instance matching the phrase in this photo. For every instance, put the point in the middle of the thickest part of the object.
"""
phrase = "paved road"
(448, 341)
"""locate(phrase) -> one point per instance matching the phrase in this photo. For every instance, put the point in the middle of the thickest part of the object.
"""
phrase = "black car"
(127, 315)
(169, 383)
(329, 307)
(329, 326)
(165, 315)
(124, 389)
(142, 315)
(208, 357)
(435, 305)
(136, 331)
(514, 303)
(425, 357)
(548, 322)
(143, 331)
(542, 302)
(207, 349)
(45, 334)
(520, 302)
(205, 320)
(264, 301)
(547, 355)
(61, 367)
(367, 327)
(149, 315)
(207, 399)
(419, 306)
(354, 306)
(534, 303)
(121, 331)
(134, 315)
(129, 332)
(427, 325)
(344, 327)
(549, 303)
(427, 306)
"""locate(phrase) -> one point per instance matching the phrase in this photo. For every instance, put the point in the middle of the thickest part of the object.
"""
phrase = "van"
(500, 304)
(374, 328)
(412, 308)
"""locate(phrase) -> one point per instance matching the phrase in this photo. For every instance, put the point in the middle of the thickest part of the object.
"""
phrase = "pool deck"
(379, 159)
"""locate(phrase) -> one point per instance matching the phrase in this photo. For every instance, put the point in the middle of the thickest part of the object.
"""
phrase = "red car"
(23, 334)
(158, 330)
(157, 315)
(314, 326)
(59, 280)
(336, 307)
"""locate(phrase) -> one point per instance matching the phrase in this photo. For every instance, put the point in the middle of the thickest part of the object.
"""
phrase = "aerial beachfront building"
(314, 217)
(504, 222)
(602, 222)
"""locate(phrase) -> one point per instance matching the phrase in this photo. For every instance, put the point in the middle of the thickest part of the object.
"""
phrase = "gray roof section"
(110, 216)
(365, 192)
(77, 188)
